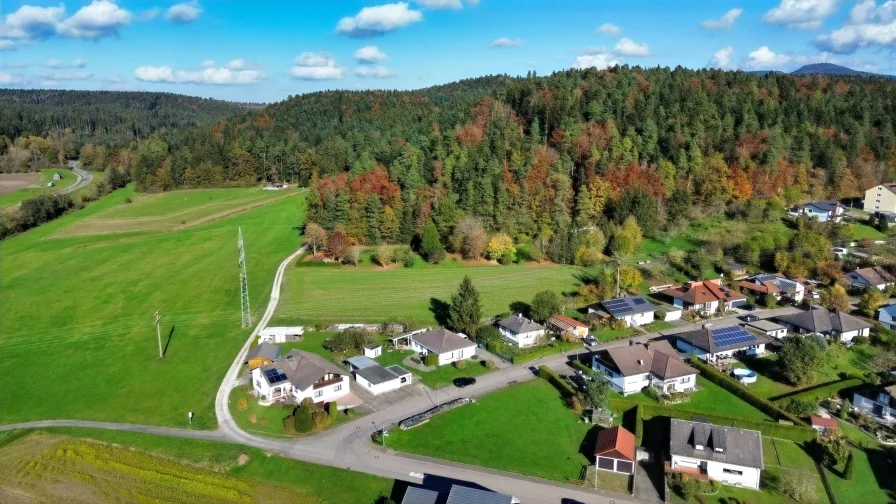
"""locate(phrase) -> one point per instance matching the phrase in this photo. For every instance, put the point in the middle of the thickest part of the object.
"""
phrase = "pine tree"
(430, 246)
(465, 311)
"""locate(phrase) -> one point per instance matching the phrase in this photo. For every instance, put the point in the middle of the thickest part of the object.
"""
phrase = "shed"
(615, 451)
(261, 355)
(57, 176)
(281, 334)
(376, 379)
(373, 350)
(824, 425)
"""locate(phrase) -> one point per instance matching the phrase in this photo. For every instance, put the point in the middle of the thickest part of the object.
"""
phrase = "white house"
(713, 343)
(633, 310)
(631, 368)
(887, 316)
(824, 211)
(767, 327)
(377, 379)
(876, 277)
(280, 334)
(520, 331)
(726, 454)
(879, 402)
(447, 345)
(774, 285)
(373, 350)
(705, 296)
(299, 375)
(881, 197)
(832, 323)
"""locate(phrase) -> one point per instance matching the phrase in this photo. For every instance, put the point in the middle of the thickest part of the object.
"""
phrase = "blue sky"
(267, 50)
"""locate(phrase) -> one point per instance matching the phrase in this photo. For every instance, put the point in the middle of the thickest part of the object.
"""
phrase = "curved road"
(84, 178)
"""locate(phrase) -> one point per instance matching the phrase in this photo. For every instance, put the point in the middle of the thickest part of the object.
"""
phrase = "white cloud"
(440, 4)
(507, 42)
(7, 45)
(32, 23)
(207, 64)
(596, 57)
(726, 21)
(316, 66)
(8, 79)
(609, 29)
(99, 19)
(531, 63)
(766, 59)
(801, 14)
(222, 76)
(378, 72)
(372, 21)
(64, 76)
(147, 15)
(113, 79)
(78, 63)
(236, 64)
(369, 55)
(628, 47)
(186, 12)
(868, 25)
(50, 83)
(722, 58)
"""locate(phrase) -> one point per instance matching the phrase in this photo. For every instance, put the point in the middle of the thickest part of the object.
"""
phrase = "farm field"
(35, 184)
(80, 466)
(191, 277)
(345, 294)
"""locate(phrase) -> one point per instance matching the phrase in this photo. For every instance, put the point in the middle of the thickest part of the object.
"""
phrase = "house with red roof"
(705, 296)
(614, 451)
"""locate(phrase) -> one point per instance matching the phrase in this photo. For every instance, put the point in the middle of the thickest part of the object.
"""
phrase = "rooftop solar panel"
(726, 336)
(638, 301)
(274, 375)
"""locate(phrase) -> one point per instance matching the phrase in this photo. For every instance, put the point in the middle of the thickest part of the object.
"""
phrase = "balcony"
(324, 383)
(694, 472)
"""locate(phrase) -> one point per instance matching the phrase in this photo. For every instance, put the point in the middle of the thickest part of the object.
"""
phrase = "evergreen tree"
(430, 245)
(465, 311)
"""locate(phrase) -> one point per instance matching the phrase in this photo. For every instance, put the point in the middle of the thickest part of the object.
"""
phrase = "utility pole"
(617, 277)
(159, 332)
(244, 282)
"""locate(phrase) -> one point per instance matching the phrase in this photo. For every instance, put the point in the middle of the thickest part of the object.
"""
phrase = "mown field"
(80, 466)
(78, 339)
(314, 295)
(39, 187)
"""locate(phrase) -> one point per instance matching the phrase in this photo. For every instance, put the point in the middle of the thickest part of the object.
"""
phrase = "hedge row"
(825, 390)
(544, 351)
(741, 391)
(554, 379)
(583, 368)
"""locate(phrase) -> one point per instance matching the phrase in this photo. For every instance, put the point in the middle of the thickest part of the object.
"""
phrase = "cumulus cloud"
(8, 79)
(440, 4)
(32, 23)
(101, 18)
(628, 47)
(609, 29)
(766, 59)
(316, 66)
(370, 54)
(377, 72)
(373, 21)
(78, 63)
(207, 64)
(236, 72)
(726, 21)
(507, 42)
(7, 45)
(186, 12)
(64, 76)
(867, 25)
(594, 58)
(722, 58)
(801, 14)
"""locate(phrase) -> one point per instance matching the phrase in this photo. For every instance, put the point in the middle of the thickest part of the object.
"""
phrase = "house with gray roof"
(867, 278)
(832, 323)
(726, 454)
(631, 368)
(299, 375)
(632, 310)
(887, 316)
(879, 402)
(711, 343)
(457, 494)
(767, 327)
(824, 211)
(262, 354)
(449, 346)
(520, 331)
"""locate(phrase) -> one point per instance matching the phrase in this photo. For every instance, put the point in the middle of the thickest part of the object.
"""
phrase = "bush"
(490, 364)
(474, 357)
(350, 413)
(347, 340)
(320, 419)
(416, 360)
(554, 379)
(487, 334)
(333, 410)
(289, 427)
(860, 340)
(242, 404)
(574, 404)
(583, 368)
(531, 354)
(460, 364)
(303, 419)
(801, 407)
(850, 467)
(652, 393)
(431, 360)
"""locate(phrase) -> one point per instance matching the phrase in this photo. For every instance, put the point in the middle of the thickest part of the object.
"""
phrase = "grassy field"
(40, 187)
(72, 465)
(265, 420)
(347, 294)
(525, 429)
(866, 484)
(78, 339)
(442, 376)
(864, 231)
(710, 398)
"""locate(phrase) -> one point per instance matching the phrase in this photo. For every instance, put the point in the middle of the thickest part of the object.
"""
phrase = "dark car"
(464, 382)
(749, 318)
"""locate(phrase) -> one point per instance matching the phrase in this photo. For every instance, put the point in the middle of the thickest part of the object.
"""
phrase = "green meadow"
(39, 187)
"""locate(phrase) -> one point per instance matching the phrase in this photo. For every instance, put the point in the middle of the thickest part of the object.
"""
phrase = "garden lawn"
(40, 187)
(770, 492)
(609, 334)
(374, 295)
(87, 304)
(864, 231)
(867, 486)
(711, 398)
(312, 342)
(856, 435)
(268, 419)
(526, 429)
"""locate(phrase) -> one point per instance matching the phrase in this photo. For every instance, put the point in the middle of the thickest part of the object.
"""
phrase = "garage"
(377, 379)
(614, 451)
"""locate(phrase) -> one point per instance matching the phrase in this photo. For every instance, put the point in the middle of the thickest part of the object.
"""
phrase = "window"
(337, 387)
(686, 379)
(257, 384)
(318, 393)
(732, 471)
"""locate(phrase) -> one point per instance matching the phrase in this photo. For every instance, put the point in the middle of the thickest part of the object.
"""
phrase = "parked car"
(464, 381)
(749, 318)
(579, 381)
(590, 341)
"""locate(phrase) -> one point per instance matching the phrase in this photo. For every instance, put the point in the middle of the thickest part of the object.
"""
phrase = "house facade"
(834, 324)
(561, 324)
(447, 345)
(775, 285)
(520, 331)
(881, 197)
(728, 455)
(824, 211)
(887, 316)
(280, 334)
(705, 296)
(866, 278)
(713, 343)
(879, 402)
(300, 375)
(630, 369)
(633, 311)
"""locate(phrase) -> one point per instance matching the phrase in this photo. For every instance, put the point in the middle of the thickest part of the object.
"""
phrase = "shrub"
(333, 410)
(416, 360)
(801, 407)
(850, 467)
(659, 315)
(844, 409)
(652, 393)
(431, 360)
(460, 364)
(289, 427)
(574, 404)
(253, 419)
(303, 419)
(490, 364)
(347, 340)
(350, 413)
(561, 385)
(242, 404)
(567, 337)
(583, 368)
(474, 357)
(320, 419)
(860, 340)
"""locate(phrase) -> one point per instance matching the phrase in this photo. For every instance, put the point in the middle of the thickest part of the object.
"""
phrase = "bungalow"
(300, 375)
(887, 316)
(631, 368)
(631, 310)
(561, 324)
(375, 378)
(457, 494)
(876, 277)
(825, 426)
(767, 327)
(707, 295)
(832, 323)
(280, 334)
(879, 402)
(373, 350)
(775, 285)
(447, 345)
(614, 451)
(262, 354)
(712, 343)
(726, 454)
(824, 211)
(520, 331)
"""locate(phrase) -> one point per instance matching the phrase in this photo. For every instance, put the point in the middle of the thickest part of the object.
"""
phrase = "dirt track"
(10, 182)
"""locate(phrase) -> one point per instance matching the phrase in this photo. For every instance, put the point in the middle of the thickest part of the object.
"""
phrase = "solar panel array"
(726, 336)
(639, 301)
(766, 278)
(618, 307)
(275, 375)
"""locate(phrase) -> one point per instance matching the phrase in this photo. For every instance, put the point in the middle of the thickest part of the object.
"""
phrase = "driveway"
(388, 399)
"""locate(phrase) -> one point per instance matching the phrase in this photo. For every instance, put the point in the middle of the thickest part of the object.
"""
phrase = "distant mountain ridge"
(832, 69)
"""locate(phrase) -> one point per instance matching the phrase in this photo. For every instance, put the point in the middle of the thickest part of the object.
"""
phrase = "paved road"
(84, 178)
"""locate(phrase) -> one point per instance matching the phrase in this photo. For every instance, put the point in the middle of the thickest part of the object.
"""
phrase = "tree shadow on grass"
(439, 310)
(520, 307)
(767, 368)
(588, 443)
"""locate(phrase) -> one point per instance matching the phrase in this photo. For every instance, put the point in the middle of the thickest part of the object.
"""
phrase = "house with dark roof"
(830, 210)
(832, 323)
(878, 402)
(561, 324)
(299, 375)
(520, 331)
(767, 327)
(262, 354)
(614, 451)
(457, 494)
(705, 296)
(866, 278)
(631, 368)
(447, 345)
(887, 316)
(775, 285)
(728, 455)
(632, 310)
(881, 197)
(712, 343)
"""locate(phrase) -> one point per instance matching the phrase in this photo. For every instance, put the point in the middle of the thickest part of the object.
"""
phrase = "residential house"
(767, 327)
(262, 354)
(726, 454)
(631, 310)
(832, 323)
(706, 296)
(520, 331)
(878, 402)
(280, 334)
(375, 378)
(712, 343)
(300, 375)
(373, 350)
(887, 316)
(824, 211)
(457, 494)
(614, 451)
(864, 278)
(881, 197)
(561, 324)
(824, 426)
(631, 368)
(447, 345)
(776, 285)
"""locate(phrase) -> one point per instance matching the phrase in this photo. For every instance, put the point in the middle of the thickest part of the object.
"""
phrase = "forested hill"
(106, 117)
